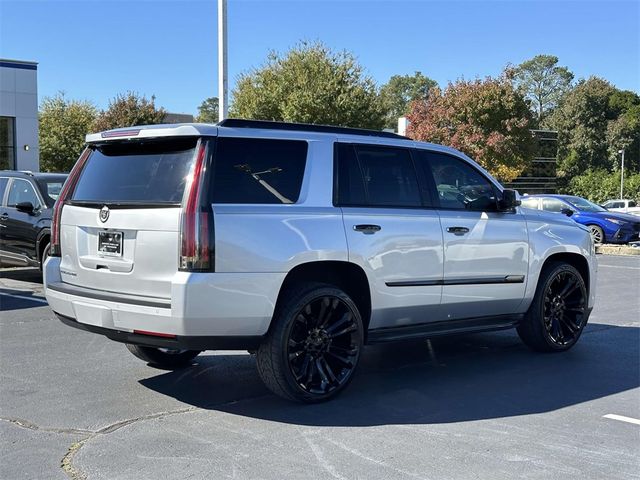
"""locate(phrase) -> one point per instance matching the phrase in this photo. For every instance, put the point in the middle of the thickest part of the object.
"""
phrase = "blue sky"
(95, 49)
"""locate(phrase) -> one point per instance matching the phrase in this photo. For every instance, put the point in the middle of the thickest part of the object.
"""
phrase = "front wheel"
(558, 313)
(314, 344)
(597, 234)
(164, 358)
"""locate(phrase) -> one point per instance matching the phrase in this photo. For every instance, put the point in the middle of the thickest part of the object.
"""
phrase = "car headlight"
(616, 221)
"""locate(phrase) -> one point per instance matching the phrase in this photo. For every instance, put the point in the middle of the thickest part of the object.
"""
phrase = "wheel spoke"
(568, 288)
(567, 323)
(327, 368)
(340, 358)
(347, 317)
(344, 331)
(323, 374)
(350, 352)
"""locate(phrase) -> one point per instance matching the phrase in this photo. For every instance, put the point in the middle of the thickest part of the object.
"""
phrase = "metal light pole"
(223, 98)
(621, 174)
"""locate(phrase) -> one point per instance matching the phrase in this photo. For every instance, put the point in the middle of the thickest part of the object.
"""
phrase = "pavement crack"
(19, 422)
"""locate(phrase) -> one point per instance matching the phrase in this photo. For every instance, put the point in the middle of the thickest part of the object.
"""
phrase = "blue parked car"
(605, 226)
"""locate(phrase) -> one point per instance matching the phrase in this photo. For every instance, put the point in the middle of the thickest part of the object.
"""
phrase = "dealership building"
(18, 115)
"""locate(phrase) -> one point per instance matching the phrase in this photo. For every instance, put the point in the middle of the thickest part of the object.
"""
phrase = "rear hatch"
(120, 230)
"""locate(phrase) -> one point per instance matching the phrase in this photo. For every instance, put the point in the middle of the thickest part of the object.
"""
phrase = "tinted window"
(3, 187)
(350, 182)
(137, 172)
(631, 204)
(389, 177)
(553, 205)
(530, 203)
(50, 187)
(459, 185)
(21, 191)
(258, 171)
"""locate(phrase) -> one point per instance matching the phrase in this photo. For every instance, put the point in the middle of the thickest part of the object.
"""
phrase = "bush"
(600, 185)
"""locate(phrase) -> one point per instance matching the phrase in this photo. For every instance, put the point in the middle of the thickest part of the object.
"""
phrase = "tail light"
(65, 193)
(196, 235)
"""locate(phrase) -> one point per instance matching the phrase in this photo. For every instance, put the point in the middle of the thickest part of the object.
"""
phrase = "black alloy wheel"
(564, 307)
(558, 313)
(324, 345)
(314, 343)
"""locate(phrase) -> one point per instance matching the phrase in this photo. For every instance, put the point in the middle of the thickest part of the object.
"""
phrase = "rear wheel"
(597, 234)
(314, 344)
(166, 358)
(558, 313)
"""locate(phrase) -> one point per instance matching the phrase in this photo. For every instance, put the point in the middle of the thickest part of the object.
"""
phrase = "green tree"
(127, 110)
(599, 185)
(486, 119)
(594, 121)
(64, 124)
(310, 84)
(208, 111)
(543, 83)
(400, 91)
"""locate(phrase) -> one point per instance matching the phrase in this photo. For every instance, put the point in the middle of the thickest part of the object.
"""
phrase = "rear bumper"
(207, 305)
(178, 342)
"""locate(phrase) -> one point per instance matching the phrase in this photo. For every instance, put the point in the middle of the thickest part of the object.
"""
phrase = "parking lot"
(76, 405)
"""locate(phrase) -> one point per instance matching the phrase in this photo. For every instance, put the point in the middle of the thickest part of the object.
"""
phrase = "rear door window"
(251, 170)
(146, 172)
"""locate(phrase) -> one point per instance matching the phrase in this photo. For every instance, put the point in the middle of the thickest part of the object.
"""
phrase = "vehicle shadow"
(455, 379)
(22, 274)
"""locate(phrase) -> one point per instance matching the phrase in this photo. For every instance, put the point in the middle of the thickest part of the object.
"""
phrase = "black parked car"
(26, 207)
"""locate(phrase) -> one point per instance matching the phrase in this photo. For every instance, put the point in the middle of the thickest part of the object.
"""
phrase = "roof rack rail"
(306, 127)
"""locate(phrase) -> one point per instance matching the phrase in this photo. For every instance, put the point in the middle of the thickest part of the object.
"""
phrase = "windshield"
(585, 205)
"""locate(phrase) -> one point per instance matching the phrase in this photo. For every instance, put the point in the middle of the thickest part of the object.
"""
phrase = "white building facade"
(19, 115)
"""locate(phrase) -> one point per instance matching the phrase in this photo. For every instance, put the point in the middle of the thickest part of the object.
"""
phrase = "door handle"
(367, 229)
(458, 230)
(4, 216)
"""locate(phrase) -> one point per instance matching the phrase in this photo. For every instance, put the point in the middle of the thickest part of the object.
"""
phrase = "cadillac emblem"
(104, 214)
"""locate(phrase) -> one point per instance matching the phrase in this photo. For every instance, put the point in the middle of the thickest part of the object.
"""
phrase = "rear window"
(250, 170)
(137, 172)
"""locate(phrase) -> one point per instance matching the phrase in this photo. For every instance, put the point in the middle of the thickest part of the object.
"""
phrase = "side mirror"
(26, 207)
(566, 211)
(510, 199)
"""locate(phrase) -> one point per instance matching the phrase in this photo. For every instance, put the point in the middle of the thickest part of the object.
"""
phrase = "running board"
(443, 328)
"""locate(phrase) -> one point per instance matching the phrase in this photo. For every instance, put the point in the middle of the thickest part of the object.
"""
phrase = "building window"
(7, 143)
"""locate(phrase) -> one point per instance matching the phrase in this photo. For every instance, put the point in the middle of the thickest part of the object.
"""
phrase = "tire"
(313, 346)
(44, 255)
(597, 234)
(164, 358)
(558, 314)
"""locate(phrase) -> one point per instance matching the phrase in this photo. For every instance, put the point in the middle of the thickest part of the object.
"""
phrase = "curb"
(617, 250)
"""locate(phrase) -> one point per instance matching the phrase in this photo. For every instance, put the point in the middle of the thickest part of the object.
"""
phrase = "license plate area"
(110, 243)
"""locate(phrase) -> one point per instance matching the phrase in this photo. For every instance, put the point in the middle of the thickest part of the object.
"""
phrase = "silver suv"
(302, 244)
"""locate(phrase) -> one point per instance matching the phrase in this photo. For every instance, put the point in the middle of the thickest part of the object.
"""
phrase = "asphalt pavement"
(76, 405)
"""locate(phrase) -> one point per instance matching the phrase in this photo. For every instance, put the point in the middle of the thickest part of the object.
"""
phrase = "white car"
(624, 206)
(302, 243)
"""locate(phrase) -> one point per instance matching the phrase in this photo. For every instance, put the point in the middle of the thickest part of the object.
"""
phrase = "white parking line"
(622, 418)
(25, 297)
(618, 266)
